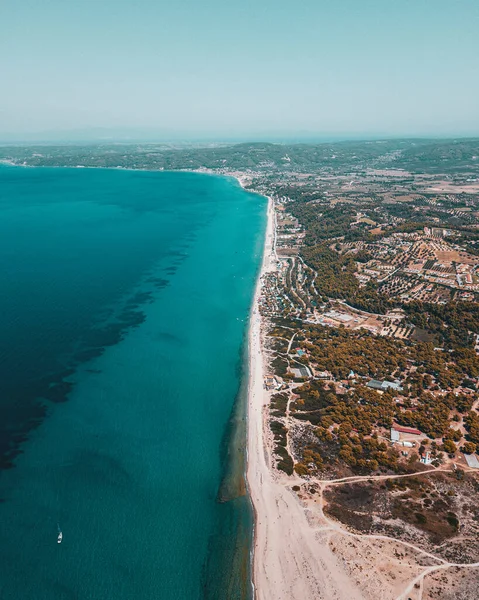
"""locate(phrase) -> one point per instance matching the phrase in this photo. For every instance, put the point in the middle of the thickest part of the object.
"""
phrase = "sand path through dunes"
(290, 563)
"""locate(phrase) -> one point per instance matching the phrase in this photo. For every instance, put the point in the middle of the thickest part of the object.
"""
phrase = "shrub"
(420, 518)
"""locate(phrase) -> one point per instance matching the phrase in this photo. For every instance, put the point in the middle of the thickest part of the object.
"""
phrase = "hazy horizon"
(113, 137)
(219, 71)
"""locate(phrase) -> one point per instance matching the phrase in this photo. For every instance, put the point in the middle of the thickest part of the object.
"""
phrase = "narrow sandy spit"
(289, 562)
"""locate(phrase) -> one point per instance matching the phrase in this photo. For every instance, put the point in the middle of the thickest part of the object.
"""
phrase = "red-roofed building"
(409, 430)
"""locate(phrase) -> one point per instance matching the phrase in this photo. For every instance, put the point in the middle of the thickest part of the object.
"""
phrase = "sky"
(254, 69)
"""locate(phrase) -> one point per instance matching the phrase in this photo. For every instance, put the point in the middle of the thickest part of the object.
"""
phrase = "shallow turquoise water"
(124, 300)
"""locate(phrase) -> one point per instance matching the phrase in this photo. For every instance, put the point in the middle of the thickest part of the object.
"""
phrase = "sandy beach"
(289, 561)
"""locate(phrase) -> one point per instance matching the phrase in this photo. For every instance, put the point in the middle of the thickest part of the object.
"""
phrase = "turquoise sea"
(124, 300)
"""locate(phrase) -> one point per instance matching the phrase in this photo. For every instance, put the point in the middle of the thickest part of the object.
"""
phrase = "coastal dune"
(289, 561)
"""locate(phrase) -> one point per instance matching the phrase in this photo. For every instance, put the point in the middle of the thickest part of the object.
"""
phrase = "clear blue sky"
(251, 68)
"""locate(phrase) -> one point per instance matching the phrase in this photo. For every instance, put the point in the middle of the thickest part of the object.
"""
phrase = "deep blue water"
(124, 299)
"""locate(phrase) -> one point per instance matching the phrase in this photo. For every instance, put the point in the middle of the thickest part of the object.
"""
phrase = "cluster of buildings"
(418, 266)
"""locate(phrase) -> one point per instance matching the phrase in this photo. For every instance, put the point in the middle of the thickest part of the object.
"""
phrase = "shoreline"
(289, 561)
(254, 333)
(253, 329)
(149, 341)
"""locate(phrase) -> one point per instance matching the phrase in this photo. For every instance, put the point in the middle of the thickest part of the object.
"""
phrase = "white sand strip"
(289, 563)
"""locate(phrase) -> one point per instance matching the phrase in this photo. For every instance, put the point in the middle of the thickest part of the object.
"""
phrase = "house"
(426, 459)
(324, 375)
(269, 382)
(384, 385)
(409, 430)
(394, 436)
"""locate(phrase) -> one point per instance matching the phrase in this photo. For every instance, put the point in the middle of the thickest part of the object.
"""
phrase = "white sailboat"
(60, 535)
